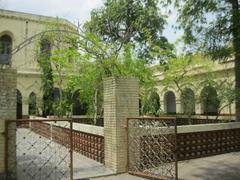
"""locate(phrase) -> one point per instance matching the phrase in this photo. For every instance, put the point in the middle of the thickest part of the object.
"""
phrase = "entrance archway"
(209, 100)
(188, 101)
(170, 102)
(32, 104)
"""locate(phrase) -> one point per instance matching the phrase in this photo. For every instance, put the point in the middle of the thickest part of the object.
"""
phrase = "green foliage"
(178, 71)
(188, 101)
(207, 26)
(43, 58)
(150, 102)
(210, 100)
(89, 75)
(33, 109)
(54, 51)
(139, 22)
(82, 62)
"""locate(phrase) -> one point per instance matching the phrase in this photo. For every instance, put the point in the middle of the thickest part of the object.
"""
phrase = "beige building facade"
(220, 75)
(15, 28)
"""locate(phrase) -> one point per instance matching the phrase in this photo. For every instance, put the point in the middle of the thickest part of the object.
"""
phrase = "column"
(8, 82)
(121, 100)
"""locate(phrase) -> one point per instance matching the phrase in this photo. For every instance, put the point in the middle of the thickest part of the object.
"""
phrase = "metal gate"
(152, 147)
(38, 149)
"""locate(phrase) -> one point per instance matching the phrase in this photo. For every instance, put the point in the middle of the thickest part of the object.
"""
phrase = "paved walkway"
(84, 167)
(124, 176)
(219, 167)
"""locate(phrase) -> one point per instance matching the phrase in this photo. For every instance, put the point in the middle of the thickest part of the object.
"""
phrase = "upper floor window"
(5, 49)
(45, 47)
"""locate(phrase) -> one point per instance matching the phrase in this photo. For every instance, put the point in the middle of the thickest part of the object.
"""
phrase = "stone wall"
(7, 107)
(197, 141)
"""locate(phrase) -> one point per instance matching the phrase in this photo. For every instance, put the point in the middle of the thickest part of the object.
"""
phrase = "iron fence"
(152, 147)
(32, 152)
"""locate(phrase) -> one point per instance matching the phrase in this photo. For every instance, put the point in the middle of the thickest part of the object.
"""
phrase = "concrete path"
(219, 167)
(84, 167)
(119, 177)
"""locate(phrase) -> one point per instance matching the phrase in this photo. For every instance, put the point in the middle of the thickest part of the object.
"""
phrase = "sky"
(73, 10)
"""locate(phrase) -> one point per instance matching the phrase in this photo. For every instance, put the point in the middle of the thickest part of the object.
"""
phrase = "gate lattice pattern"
(152, 147)
(33, 153)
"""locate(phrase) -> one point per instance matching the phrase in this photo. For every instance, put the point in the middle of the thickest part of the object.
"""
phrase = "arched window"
(5, 49)
(188, 101)
(170, 102)
(19, 104)
(32, 108)
(77, 107)
(209, 100)
(45, 47)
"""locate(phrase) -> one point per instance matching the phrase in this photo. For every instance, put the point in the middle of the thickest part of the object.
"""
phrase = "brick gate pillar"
(8, 83)
(121, 100)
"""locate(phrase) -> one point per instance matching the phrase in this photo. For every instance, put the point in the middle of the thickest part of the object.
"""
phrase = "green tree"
(212, 26)
(100, 61)
(139, 22)
(82, 62)
(54, 51)
(43, 58)
(150, 102)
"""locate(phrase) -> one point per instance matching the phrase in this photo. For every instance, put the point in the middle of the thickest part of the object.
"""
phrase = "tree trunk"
(236, 47)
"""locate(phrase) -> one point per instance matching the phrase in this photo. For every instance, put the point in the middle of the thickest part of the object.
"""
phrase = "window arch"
(32, 108)
(170, 102)
(45, 47)
(209, 100)
(188, 101)
(19, 104)
(5, 49)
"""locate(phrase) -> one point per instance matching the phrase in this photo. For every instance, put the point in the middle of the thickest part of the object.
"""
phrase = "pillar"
(8, 81)
(178, 106)
(25, 106)
(121, 100)
(198, 108)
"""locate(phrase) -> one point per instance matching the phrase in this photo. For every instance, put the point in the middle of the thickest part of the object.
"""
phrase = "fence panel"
(32, 152)
(152, 147)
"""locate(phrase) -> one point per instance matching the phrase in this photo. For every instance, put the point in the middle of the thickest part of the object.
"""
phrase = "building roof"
(33, 17)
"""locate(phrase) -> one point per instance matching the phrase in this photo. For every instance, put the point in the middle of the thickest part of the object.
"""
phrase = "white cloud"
(72, 10)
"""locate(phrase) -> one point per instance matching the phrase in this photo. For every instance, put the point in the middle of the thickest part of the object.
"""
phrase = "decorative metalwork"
(33, 153)
(152, 147)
